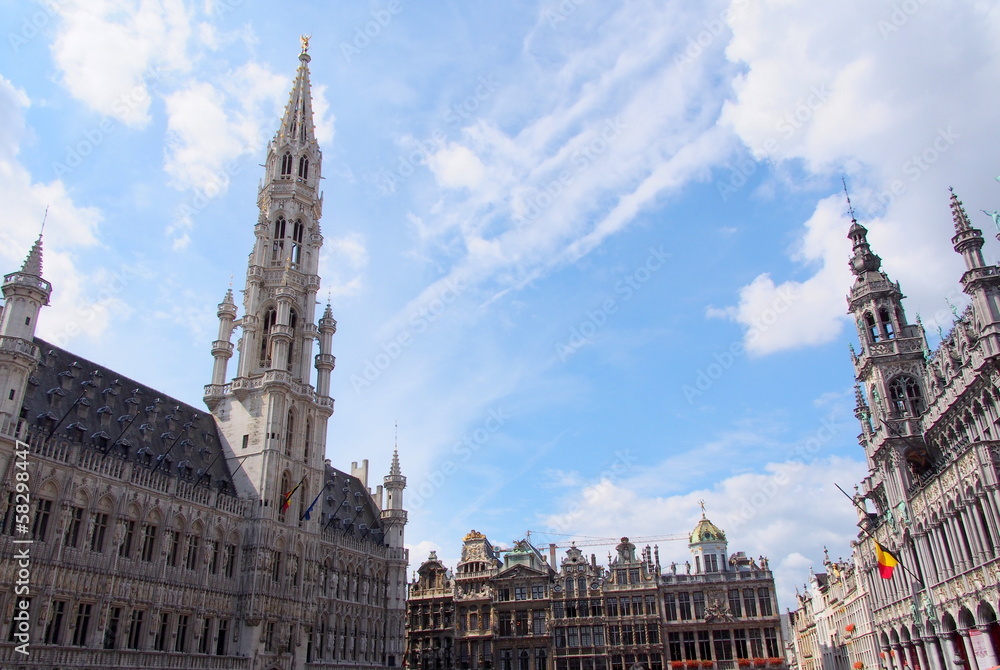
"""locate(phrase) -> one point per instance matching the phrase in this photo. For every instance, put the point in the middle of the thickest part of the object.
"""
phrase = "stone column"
(931, 653)
(991, 650)
(969, 653)
(947, 648)
(918, 647)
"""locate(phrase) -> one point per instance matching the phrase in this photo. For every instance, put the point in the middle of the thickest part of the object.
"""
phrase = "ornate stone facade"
(832, 628)
(155, 534)
(521, 613)
(930, 425)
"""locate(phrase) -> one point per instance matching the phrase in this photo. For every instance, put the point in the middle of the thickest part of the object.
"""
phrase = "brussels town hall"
(142, 532)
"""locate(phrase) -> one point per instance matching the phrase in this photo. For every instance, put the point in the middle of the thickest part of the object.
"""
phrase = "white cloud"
(108, 52)
(796, 314)
(343, 261)
(202, 139)
(846, 90)
(82, 303)
(456, 166)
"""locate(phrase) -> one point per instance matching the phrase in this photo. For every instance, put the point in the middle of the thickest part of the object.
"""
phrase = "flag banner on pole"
(887, 561)
(288, 496)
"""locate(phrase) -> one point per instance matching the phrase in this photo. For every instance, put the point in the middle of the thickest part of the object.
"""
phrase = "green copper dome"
(706, 531)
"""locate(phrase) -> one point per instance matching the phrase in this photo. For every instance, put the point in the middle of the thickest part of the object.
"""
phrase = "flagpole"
(873, 539)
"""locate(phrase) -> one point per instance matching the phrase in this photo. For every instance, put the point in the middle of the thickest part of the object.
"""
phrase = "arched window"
(905, 397)
(289, 432)
(286, 165)
(270, 317)
(278, 245)
(872, 327)
(305, 451)
(303, 167)
(297, 234)
(883, 316)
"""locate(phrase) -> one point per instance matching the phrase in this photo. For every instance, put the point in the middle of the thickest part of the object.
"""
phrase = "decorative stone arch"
(106, 504)
(965, 618)
(985, 614)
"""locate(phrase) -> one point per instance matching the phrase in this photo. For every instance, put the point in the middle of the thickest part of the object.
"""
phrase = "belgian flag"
(887, 561)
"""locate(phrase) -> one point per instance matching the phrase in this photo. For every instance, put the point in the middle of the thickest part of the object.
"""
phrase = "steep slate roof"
(348, 507)
(78, 400)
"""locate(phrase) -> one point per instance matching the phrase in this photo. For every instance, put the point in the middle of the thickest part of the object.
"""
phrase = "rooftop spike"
(967, 241)
(297, 121)
(33, 263)
(958, 214)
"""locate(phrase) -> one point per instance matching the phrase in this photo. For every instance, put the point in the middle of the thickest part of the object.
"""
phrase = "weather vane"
(305, 42)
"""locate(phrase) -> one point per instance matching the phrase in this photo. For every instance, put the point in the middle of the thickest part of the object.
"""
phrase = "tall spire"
(394, 469)
(33, 263)
(967, 241)
(297, 123)
(958, 214)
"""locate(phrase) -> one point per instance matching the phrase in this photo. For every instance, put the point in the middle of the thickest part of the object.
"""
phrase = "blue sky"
(592, 257)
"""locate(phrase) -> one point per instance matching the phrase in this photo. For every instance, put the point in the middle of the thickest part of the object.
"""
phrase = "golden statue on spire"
(305, 42)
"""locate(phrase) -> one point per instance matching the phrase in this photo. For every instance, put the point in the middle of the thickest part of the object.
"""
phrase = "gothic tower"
(891, 368)
(272, 415)
(25, 293)
(980, 281)
(394, 520)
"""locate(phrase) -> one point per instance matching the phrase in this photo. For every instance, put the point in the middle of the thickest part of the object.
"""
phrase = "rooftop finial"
(45, 218)
(850, 207)
(702, 504)
(958, 214)
(305, 42)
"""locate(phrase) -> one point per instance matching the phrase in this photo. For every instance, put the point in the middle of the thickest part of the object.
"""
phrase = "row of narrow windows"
(142, 542)
(287, 162)
(884, 329)
(266, 358)
(295, 241)
(172, 632)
